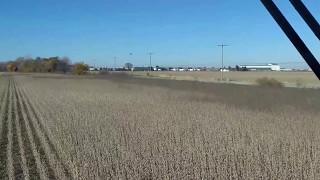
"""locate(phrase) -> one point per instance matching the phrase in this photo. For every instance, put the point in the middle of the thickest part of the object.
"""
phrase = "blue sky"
(179, 32)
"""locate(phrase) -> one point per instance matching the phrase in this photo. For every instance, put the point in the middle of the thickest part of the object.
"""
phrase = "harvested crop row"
(10, 168)
(15, 148)
(52, 160)
(31, 162)
(40, 120)
(40, 167)
(21, 148)
(40, 149)
(3, 94)
(3, 106)
(3, 135)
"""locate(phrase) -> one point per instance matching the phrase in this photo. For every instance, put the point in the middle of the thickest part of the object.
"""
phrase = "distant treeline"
(44, 65)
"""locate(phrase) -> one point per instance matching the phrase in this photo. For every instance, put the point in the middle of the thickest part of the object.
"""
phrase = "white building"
(269, 67)
(224, 70)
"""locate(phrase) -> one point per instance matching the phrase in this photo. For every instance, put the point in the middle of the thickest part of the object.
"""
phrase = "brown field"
(119, 127)
(291, 79)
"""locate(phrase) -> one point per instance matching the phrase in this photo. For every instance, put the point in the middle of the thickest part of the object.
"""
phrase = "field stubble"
(290, 79)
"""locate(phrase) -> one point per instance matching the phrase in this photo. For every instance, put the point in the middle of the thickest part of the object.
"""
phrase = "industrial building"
(267, 67)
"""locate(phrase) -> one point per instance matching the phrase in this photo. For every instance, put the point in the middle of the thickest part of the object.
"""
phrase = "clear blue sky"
(179, 32)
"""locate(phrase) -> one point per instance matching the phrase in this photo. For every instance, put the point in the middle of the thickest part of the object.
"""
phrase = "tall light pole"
(150, 60)
(222, 59)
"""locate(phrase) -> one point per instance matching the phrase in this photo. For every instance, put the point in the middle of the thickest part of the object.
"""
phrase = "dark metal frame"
(292, 34)
(307, 16)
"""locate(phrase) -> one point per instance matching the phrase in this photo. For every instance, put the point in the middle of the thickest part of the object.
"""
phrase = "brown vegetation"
(269, 82)
(44, 65)
(308, 79)
(80, 69)
(11, 67)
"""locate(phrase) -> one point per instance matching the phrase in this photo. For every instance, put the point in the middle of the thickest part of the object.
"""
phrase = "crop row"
(26, 151)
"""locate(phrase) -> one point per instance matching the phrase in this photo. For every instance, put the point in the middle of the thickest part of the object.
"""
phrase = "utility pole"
(150, 60)
(130, 59)
(222, 59)
(115, 63)
(94, 64)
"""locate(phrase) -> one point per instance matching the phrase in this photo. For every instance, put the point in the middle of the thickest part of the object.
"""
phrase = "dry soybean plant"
(110, 129)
